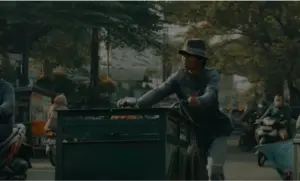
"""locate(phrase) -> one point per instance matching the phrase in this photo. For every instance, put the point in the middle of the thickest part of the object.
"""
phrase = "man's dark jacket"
(7, 109)
(184, 85)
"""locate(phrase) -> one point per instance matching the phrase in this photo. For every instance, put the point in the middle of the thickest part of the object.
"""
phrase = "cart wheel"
(196, 168)
(222, 177)
(261, 159)
(173, 166)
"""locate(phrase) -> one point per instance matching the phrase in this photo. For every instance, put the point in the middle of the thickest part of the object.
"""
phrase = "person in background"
(59, 103)
(280, 110)
(7, 109)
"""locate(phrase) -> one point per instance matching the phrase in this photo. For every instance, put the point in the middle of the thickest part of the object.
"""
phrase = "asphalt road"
(240, 166)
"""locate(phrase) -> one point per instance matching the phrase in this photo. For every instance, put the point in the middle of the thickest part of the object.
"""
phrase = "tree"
(67, 47)
(268, 38)
(30, 21)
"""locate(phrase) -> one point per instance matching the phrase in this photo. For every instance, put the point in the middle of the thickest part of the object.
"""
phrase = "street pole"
(108, 50)
(164, 52)
(94, 66)
(24, 79)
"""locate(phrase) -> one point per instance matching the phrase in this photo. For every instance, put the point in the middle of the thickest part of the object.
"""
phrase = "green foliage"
(63, 28)
(58, 83)
(68, 47)
(268, 31)
(268, 43)
(129, 21)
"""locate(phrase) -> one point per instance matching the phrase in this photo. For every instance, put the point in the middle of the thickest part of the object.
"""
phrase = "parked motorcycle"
(14, 155)
(50, 143)
(247, 139)
(270, 130)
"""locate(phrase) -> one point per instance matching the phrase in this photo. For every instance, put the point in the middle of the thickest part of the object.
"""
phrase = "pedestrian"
(59, 103)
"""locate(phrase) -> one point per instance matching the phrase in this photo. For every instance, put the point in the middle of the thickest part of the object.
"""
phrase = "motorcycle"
(14, 155)
(247, 139)
(270, 130)
(51, 146)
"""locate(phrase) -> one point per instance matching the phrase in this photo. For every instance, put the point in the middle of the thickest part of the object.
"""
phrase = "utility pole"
(165, 44)
(94, 68)
(24, 79)
(108, 49)
(94, 59)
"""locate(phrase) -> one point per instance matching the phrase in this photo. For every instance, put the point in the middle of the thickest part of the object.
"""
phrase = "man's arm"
(210, 95)
(267, 112)
(157, 94)
(8, 105)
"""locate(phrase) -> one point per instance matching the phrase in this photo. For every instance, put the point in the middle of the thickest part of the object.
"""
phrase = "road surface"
(240, 166)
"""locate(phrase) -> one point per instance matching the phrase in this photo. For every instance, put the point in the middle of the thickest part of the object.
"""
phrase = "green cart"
(152, 144)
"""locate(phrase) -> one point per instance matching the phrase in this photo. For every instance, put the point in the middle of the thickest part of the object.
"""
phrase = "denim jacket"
(184, 85)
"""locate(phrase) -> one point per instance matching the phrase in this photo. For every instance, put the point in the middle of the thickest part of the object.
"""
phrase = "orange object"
(37, 127)
(241, 109)
(228, 108)
(49, 133)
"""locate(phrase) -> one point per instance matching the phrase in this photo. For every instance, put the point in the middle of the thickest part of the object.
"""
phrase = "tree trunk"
(94, 59)
(94, 71)
(273, 84)
(47, 68)
(293, 93)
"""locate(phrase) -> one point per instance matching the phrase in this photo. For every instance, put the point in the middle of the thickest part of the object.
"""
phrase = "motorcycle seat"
(12, 135)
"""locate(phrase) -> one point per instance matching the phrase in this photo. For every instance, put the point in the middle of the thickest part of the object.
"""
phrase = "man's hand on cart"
(193, 101)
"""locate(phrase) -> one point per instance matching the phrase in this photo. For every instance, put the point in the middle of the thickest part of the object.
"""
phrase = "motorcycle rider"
(199, 86)
(279, 110)
(7, 107)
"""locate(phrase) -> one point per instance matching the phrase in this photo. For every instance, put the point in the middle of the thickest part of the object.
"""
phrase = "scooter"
(270, 130)
(50, 143)
(14, 155)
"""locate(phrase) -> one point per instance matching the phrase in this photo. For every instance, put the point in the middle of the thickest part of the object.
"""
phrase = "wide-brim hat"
(195, 48)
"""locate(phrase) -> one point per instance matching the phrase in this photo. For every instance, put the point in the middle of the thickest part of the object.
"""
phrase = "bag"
(226, 126)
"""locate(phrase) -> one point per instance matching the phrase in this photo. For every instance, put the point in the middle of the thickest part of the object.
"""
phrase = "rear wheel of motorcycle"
(52, 157)
(242, 144)
(261, 159)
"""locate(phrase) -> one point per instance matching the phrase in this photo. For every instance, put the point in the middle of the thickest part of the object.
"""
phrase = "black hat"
(195, 48)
